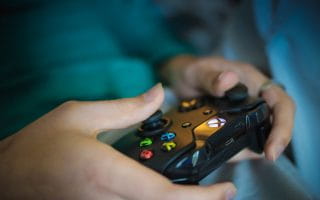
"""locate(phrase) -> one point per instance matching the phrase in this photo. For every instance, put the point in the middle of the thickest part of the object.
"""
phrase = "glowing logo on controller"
(216, 122)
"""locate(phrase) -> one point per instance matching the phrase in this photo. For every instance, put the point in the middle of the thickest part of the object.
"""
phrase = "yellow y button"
(168, 146)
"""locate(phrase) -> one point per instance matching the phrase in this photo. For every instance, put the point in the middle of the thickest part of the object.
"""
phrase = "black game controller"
(192, 140)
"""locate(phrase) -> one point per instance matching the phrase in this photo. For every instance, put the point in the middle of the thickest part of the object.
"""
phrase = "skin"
(59, 157)
(191, 77)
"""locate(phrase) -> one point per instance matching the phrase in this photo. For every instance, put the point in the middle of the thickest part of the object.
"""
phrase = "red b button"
(146, 154)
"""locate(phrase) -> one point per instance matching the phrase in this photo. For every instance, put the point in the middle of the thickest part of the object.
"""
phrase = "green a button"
(146, 142)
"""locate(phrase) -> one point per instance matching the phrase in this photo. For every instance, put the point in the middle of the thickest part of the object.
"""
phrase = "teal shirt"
(54, 51)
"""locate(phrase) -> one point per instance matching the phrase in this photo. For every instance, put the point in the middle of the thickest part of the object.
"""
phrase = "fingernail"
(278, 151)
(230, 194)
(152, 93)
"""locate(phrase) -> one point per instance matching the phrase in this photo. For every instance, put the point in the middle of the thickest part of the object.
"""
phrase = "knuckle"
(65, 113)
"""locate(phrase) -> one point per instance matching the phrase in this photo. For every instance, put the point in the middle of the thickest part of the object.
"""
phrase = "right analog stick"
(238, 93)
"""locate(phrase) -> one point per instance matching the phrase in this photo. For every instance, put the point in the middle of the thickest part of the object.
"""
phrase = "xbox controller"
(199, 135)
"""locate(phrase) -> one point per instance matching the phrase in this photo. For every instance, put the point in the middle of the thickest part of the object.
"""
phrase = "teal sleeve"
(57, 51)
(141, 30)
(54, 51)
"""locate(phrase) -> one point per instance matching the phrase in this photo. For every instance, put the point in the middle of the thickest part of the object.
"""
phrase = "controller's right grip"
(259, 135)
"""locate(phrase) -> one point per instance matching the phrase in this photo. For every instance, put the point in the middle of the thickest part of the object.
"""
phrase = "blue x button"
(168, 136)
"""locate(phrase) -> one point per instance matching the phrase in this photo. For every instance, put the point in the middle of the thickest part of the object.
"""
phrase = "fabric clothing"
(262, 179)
(53, 51)
(291, 31)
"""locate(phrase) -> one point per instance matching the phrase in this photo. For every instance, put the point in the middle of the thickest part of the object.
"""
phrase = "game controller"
(199, 135)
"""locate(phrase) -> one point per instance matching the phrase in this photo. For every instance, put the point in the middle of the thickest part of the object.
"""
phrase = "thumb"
(93, 117)
(223, 191)
(218, 84)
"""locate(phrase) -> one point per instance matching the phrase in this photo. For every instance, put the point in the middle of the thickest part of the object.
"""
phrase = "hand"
(59, 157)
(190, 76)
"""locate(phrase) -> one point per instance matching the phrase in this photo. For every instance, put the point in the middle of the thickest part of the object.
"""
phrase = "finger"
(92, 117)
(217, 83)
(245, 154)
(142, 183)
(283, 110)
(217, 191)
(226, 80)
(128, 178)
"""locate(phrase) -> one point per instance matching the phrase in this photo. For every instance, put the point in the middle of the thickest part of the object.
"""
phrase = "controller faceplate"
(199, 136)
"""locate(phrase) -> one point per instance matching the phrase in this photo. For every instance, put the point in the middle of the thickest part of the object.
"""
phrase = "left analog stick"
(154, 125)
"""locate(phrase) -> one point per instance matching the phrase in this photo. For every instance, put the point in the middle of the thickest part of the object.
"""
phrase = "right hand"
(59, 157)
(191, 76)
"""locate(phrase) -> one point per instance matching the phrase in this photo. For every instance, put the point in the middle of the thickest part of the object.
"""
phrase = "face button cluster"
(167, 145)
(153, 129)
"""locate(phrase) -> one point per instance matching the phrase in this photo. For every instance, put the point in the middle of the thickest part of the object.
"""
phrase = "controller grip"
(261, 133)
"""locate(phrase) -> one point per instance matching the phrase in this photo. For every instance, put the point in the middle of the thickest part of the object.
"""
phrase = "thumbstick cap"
(237, 93)
(153, 118)
(154, 125)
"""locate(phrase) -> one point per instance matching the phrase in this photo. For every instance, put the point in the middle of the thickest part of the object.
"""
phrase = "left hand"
(190, 77)
(59, 157)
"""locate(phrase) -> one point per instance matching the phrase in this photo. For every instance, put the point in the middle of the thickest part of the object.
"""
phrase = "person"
(57, 156)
